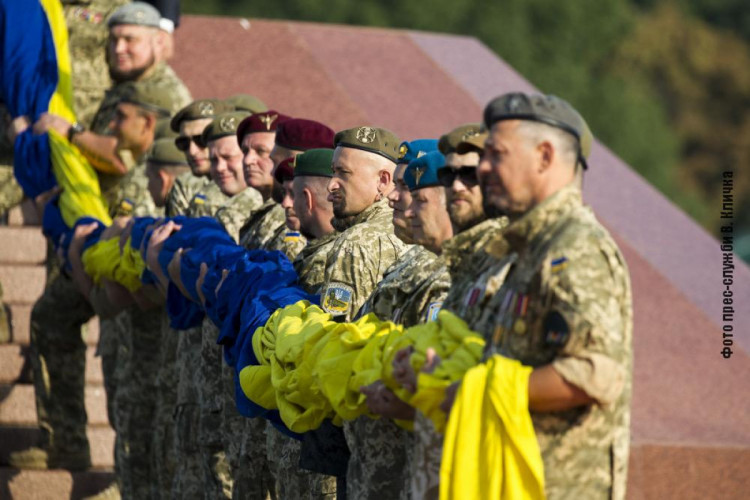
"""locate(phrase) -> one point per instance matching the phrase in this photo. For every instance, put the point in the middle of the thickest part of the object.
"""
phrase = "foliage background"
(665, 84)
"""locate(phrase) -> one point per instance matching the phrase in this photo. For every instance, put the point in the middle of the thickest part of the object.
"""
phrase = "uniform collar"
(365, 215)
(534, 222)
(467, 241)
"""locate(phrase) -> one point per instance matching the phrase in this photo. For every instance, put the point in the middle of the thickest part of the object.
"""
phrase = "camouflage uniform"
(289, 242)
(310, 263)
(411, 292)
(10, 192)
(261, 227)
(567, 302)
(206, 201)
(238, 209)
(185, 187)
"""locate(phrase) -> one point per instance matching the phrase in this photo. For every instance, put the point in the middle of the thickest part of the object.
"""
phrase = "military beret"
(137, 13)
(246, 102)
(314, 162)
(163, 130)
(410, 150)
(202, 108)
(300, 135)
(422, 171)
(375, 140)
(223, 125)
(267, 121)
(164, 152)
(285, 170)
(547, 109)
(149, 96)
(463, 137)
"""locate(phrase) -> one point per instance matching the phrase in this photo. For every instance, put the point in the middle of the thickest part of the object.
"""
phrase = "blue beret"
(409, 151)
(422, 172)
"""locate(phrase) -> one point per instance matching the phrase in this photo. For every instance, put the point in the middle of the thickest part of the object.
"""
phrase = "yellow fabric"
(81, 195)
(490, 448)
(103, 260)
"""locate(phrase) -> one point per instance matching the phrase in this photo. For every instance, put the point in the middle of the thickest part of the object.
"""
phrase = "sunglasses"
(183, 142)
(467, 175)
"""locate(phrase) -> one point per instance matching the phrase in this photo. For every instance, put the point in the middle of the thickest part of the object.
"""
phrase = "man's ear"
(546, 152)
(309, 203)
(385, 182)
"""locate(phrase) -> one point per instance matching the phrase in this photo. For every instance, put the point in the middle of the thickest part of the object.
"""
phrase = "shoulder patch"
(291, 237)
(432, 310)
(126, 205)
(558, 264)
(556, 330)
(337, 299)
(199, 199)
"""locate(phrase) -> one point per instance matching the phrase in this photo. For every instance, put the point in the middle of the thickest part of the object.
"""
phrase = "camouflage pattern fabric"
(237, 210)
(260, 228)
(567, 302)
(310, 262)
(11, 193)
(290, 243)
(206, 201)
(185, 187)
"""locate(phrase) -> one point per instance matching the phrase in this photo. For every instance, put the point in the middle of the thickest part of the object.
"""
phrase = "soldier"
(189, 123)
(165, 163)
(564, 307)
(246, 102)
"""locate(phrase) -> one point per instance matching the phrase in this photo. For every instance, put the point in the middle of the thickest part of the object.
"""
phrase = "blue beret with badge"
(422, 171)
(411, 150)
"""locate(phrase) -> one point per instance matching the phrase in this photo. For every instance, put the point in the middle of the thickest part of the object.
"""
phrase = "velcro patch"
(337, 299)
(556, 330)
(433, 310)
(199, 199)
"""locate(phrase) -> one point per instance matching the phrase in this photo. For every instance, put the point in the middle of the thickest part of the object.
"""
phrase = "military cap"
(422, 171)
(300, 135)
(137, 13)
(246, 102)
(267, 121)
(285, 170)
(410, 150)
(547, 109)
(223, 125)
(202, 108)
(314, 162)
(375, 140)
(154, 98)
(163, 130)
(461, 139)
(164, 152)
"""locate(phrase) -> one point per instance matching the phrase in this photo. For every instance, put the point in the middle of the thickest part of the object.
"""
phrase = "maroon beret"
(268, 121)
(285, 170)
(300, 135)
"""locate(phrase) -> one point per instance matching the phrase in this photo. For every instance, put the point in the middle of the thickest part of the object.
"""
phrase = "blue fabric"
(411, 150)
(28, 78)
(422, 171)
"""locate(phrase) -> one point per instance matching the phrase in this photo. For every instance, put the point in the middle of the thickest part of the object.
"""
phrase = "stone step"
(101, 443)
(21, 317)
(24, 214)
(18, 407)
(22, 284)
(22, 245)
(51, 485)
(15, 366)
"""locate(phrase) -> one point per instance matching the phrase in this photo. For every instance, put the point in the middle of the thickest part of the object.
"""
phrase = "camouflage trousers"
(378, 465)
(136, 398)
(291, 481)
(426, 458)
(10, 192)
(58, 360)
(188, 475)
(252, 476)
(163, 460)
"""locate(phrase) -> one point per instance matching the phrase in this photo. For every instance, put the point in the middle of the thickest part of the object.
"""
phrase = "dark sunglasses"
(467, 175)
(183, 142)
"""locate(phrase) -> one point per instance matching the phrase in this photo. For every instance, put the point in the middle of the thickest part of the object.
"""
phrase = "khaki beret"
(223, 125)
(202, 108)
(465, 136)
(149, 96)
(246, 102)
(164, 152)
(547, 109)
(136, 13)
(375, 140)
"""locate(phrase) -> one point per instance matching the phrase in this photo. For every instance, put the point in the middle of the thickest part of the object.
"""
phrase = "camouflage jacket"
(310, 263)
(261, 227)
(412, 289)
(238, 209)
(135, 199)
(289, 242)
(206, 201)
(360, 256)
(184, 188)
(566, 301)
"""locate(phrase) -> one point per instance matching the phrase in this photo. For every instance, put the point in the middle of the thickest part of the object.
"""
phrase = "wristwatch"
(74, 129)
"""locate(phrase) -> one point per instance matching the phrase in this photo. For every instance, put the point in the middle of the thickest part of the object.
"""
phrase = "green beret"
(375, 140)
(314, 162)
(137, 13)
(164, 152)
(245, 102)
(223, 125)
(202, 108)
(464, 137)
(149, 96)
(547, 109)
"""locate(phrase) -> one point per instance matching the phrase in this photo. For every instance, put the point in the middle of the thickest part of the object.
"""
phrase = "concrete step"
(22, 245)
(16, 368)
(22, 284)
(51, 485)
(101, 443)
(21, 316)
(24, 214)
(18, 407)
